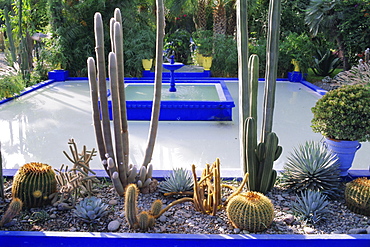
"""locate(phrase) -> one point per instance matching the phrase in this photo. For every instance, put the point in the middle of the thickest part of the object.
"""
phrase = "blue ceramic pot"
(345, 151)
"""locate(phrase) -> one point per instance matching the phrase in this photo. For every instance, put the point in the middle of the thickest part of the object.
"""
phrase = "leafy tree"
(324, 16)
(354, 26)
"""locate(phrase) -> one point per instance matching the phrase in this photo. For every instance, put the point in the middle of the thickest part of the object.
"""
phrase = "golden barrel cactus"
(357, 195)
(251, 211)
(33, 183)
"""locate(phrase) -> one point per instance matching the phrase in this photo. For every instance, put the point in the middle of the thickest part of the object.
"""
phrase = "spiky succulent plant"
(90, 209)
(311, 206)
(313, 167)
(180, 180)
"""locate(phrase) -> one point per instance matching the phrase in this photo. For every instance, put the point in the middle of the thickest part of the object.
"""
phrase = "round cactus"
(251, 211)
(33, 183)
(357, 195)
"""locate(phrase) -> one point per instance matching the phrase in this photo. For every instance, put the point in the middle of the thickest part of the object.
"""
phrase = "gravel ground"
(183, 218)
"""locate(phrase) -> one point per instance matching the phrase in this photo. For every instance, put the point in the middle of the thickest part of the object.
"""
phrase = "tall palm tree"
(219, 16)
(321, 15)
(201, 15)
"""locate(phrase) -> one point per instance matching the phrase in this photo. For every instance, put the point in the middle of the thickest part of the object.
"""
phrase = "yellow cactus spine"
(34, 183)
(357, 195)
(251, 211)
(131, 205)
(156, 207)
(14, 208)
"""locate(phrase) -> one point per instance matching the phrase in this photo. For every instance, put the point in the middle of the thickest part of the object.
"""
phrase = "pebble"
(280, 198)
(308, 230)
(113, 225)
(289, 219)
(368, 230)
(357, 231)
(53, 216)
(113, 202)
(162, 218)
(236, 230)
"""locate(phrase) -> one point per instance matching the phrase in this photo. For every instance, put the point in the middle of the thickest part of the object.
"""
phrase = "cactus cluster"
(180, 180)
(74, 182)
(257, 160)
(13, 210)
(357, 195)
(312, 166)
(115, 158)
(251, 211)
(33, 184)
(91, 209)
(143, 220)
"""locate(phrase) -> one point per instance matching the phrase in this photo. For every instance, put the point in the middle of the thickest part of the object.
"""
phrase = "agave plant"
(180, 180)
(313, 167)
(311, 206)
(325, 62)
(90, 209)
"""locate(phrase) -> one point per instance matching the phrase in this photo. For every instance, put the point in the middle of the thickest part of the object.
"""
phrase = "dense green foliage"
(343, 113)
(70, 25)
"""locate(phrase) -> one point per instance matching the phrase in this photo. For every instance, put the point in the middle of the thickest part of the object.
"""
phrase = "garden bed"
(183, 218)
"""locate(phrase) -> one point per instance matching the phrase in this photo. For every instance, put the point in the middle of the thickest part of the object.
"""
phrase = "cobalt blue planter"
(296, 76)
(58, 75)
(345, 151)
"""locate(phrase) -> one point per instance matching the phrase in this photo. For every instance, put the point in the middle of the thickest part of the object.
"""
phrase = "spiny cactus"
(145, 220)
(251, 211)
(311, 206)
(180, 180)
(357, 195)
(312, 166)
(156, 208)
(91, 209)
(131, 195)
(13, 210)
(34, 183)
(207, 191)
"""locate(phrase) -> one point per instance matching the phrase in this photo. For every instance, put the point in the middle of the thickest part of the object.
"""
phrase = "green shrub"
(298, 47)
(343, 113)
(204, 41)
(11, 83)
(225, 57)
(178, 44)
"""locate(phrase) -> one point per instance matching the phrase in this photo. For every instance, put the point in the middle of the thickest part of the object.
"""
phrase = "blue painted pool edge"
(91, 239)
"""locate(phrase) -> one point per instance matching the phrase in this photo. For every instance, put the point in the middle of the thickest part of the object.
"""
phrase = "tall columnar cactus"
(357, 195)
(116, 161)
(251, 211)
(2, 194)
(272, 56)
(13, 210)
(257, 159)
(33, 184)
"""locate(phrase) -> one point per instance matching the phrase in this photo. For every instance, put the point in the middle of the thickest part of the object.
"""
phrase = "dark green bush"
(178, 44)
(225, 57)
(343, 113)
